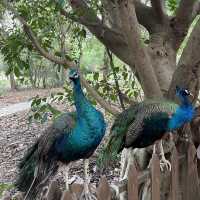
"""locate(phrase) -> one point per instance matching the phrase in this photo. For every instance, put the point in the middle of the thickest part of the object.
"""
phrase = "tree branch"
(184, 11)
(98, 98)
(139, 54)
(116, 79)
(110, 13)
(146, 16)
(196, 10)
(34, 40)
(112, 38)
(183, 19)
(66, 63)
(158, 8)
(188, 71)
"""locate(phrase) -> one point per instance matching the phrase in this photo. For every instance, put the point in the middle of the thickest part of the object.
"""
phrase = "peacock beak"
(70, 79)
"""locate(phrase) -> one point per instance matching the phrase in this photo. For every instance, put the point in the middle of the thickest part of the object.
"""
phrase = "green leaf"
(44, 99)
(61, 3)
(83, 33)
(136, 93)
(53, 110)
(125, 75)
(37, 116)
(38, 101)
(9, 70)
(116, 69)
(33, 102)
(60, 98)
(60, 93)
(96, 76)
(68, 58)
(17, 72)
(43, 108)
(133, 84)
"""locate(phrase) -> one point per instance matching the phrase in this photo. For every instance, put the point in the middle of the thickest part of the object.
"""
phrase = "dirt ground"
(16, 135)
(12, 97)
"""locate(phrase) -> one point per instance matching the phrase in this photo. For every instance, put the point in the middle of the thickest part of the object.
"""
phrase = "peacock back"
(146, 117)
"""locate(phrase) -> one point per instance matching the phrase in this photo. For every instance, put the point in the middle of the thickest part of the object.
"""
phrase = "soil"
(12, 97)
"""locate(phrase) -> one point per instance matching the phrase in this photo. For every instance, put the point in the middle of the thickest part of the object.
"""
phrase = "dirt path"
(12, 97)
(13, 108)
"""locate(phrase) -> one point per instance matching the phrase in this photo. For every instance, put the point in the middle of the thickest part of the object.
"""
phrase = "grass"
(3, 187)
(4, 86)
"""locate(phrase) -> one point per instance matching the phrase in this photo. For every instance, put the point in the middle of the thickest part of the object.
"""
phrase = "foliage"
(93, 54)
(41, 108)
(172, 5)
(30, 68)
(4, 187)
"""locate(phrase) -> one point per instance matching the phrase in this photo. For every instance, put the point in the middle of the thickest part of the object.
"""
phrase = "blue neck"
(81, 102)
(184, 101)
(184, 114)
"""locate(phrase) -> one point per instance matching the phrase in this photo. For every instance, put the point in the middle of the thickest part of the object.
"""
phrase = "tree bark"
(158, 8)
(163, 58)
(181, 22)
(138, 52)
(187, 73)
(13, 84)
(112, 37)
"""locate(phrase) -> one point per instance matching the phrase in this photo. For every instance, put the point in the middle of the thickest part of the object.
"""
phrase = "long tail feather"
(42, 175)
(34, 173)
(110, 152)
(26, 169)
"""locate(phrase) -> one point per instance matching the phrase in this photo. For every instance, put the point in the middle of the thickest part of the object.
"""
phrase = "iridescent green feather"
(115, 142)
(120, 132)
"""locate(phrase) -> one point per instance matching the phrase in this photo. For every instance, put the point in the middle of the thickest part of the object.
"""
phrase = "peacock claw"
(164, 163)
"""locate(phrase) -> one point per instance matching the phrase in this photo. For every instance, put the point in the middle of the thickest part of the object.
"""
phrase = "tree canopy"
(145, 38)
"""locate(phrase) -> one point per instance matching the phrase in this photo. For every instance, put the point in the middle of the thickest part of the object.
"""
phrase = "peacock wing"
(124, 120)
(63, 124)
(144, 113)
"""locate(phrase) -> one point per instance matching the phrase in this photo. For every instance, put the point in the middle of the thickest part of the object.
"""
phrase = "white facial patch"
(187, 92)
(76, 76)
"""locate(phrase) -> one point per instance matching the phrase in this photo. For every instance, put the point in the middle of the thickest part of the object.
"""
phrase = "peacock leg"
(163, 161)
(123, 163)
(129, 158)
(67, 177)
(154, 151)
(87, 195)
(171, 137)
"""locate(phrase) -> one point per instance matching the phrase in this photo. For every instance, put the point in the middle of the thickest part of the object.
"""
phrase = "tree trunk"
(13, 84)
(163, 59)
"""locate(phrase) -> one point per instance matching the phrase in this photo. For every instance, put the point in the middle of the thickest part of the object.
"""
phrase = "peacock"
(145, 123)
(72, 136)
